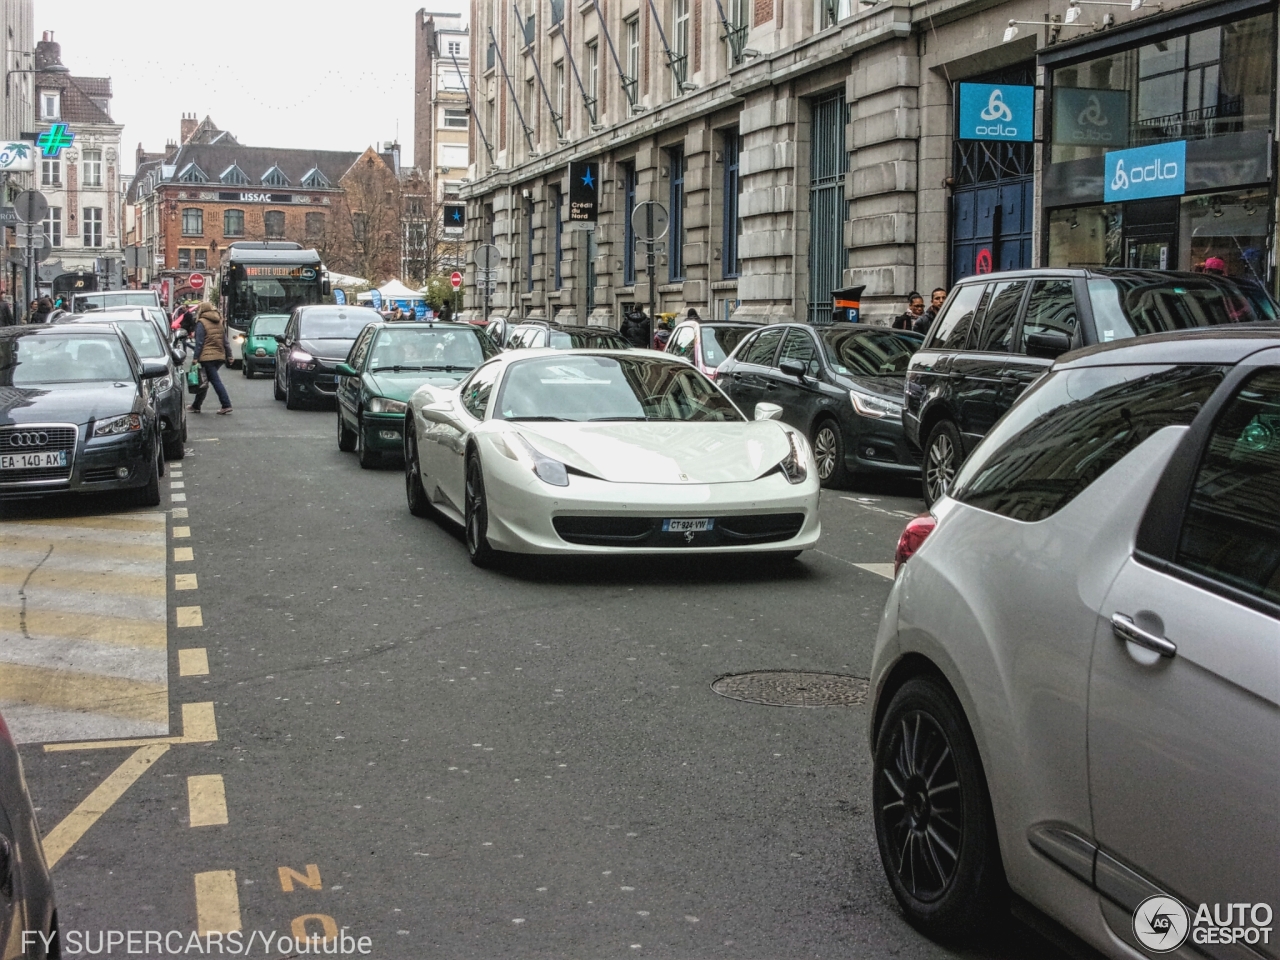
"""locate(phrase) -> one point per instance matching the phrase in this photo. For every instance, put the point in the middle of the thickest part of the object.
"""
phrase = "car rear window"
(869, 352)
(718, 343)
(1071, 428)
(336, 323)
(1134, 306)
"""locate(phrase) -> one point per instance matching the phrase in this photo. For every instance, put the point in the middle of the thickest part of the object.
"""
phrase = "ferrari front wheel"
(477, 516)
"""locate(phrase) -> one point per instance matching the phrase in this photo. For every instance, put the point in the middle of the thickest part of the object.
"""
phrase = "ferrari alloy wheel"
(932, 814)
(942, 456)
(477, 516)
(415, 494)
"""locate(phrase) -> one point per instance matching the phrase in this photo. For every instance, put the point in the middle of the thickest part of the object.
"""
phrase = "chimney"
(189, 125)
(49, 55)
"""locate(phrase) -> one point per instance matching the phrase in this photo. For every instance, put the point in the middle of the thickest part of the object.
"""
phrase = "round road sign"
(30, 206)
(196, 281)
(487, 256)
(456, 279)
(649, 221)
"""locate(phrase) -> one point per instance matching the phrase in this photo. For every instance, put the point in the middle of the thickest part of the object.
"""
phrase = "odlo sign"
(1155, 171)
(997, 111)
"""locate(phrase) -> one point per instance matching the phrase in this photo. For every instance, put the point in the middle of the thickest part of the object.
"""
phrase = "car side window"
(1231, 531)
(1051, 309)
(682, 342)
(1002, 311)
(762, 349)
(799, 347)
(952, 330)
(475, 395)
(360, 350)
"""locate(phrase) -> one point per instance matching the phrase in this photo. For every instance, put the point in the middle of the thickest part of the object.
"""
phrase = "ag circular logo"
(1160, 924)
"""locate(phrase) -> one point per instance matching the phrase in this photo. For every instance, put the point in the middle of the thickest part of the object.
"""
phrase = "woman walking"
(213, 348)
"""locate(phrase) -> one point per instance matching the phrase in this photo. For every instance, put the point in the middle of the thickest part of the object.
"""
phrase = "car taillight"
(914, 535)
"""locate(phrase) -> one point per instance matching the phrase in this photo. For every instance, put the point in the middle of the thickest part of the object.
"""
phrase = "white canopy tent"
(346, 280)
(393, 291)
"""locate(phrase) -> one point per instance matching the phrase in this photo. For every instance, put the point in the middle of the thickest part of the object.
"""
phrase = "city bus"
(270, 277)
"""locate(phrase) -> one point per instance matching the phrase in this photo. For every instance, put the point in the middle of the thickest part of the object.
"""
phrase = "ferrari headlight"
(545, 468)
(795, 465)
(383, 405)
(869, 405)
(115, 426)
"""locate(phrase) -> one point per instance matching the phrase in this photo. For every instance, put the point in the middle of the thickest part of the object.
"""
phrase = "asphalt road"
(457, 763)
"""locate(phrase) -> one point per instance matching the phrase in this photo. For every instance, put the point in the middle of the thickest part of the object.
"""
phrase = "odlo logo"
(1160, 924)
(1148, 173)
(997, 114)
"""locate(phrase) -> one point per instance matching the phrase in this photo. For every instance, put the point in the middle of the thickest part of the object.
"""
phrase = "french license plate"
(687, 526)
(26, 461)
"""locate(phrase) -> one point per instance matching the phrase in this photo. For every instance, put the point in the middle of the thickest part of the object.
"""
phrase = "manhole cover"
(791, 688)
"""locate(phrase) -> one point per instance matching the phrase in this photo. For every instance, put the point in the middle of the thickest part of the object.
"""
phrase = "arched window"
(233, 223)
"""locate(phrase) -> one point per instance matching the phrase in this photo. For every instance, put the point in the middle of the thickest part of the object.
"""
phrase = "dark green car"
(387, 363)
(259, 349)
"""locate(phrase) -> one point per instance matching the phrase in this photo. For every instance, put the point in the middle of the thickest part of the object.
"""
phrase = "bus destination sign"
(305, 273)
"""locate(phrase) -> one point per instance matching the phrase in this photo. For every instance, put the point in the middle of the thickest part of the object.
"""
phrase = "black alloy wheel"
(173, 448)
(942, 458)
(247, 369)
(828, 451)
(932, 814)
(477, 515)
(368, 458)
(415, 493)
(276, 388)
(346, 436)
(148, 495)
(292, 401)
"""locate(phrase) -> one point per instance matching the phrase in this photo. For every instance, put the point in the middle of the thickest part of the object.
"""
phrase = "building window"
(234, 176)
(315, 180)
(736, 36)
(192, 222)
(50, 105)
(192, 173)
(593, 77)
(530, 106)
(675, 258)
(275, 178)
(455, 48)
(233, 223)
(202, 258)
(53, 226)
(93, 226)
(629, 237)
(557, 73)
(315, 225)
(92, 168)
(557, 203)
(51, 173)
(273, 224)
(184, 259)
(631, 49)
(455, 119)
(528, 244)
(732, 220)
(679, 46)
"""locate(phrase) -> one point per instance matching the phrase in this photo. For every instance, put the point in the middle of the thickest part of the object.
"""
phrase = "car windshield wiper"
(557, 419)
(608, 419)
(397, 367)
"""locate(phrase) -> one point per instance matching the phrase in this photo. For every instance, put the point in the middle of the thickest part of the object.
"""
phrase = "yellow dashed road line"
(207, 800)
(217, 902)
(193, 662)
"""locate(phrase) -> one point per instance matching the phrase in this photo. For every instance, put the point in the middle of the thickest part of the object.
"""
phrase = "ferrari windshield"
(64, 359)
(595, 388)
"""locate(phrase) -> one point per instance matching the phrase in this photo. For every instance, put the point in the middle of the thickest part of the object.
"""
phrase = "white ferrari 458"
(606, 451)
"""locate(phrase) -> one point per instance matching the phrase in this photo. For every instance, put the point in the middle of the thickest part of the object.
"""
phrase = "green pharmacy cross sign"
(54, 140)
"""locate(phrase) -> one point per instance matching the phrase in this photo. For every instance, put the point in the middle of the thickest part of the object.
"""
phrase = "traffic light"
(455, 215)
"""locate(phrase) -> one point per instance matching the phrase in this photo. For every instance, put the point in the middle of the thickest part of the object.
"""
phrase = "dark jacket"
(925, 320)
(905, 321)
(635, 329)
(6, 314)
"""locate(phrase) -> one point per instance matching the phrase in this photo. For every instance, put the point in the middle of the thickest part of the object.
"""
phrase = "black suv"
(841, 384)
(998, 332)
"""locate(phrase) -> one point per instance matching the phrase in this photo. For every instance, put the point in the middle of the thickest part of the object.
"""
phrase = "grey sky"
(329, 75)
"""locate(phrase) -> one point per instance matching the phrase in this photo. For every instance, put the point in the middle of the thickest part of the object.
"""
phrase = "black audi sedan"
(841, 384)
(316, 339)
(998, 332)
(76, 413)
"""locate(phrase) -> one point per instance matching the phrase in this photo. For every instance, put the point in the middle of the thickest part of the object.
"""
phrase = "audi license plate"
(687, 526)
(26, 461)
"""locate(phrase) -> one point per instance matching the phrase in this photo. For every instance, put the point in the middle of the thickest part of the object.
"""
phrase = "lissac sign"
(997, 111)
(1159, 170)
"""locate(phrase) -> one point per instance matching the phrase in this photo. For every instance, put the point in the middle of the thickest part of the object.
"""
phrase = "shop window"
(1234, 227)
(1085, 236)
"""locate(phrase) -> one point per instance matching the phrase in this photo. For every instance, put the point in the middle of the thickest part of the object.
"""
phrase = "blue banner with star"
(584, 191)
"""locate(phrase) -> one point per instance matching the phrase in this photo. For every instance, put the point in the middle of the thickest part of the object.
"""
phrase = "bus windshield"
(272, 295)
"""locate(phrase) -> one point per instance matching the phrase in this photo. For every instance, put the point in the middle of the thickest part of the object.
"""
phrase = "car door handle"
(770, 385)
(1125, 629)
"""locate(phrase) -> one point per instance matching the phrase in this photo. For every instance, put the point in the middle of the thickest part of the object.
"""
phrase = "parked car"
(841, 385)
(26, 893)
(388, 363)
(258, 350)
(606, 452)
(77, 413)
(563, 336)
(998, 332)
(706, 345)
(151, 341)
(103, 299)
(316, 339)
(1075, 684)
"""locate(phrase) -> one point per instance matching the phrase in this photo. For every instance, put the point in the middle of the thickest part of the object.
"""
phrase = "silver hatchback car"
(1077, 677)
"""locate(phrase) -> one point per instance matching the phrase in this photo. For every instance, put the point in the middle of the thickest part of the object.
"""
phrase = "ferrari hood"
(659, 452)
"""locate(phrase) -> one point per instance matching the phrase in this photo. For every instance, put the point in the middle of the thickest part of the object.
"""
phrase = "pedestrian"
(936, 300)
(635, 328)
(693, 315)
(1215, 266)
(212, 350)
(446, 312)
(915, 307)
(663, 333)
(42, 308)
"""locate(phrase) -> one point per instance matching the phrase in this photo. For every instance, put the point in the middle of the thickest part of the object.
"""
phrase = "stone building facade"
(805, 147)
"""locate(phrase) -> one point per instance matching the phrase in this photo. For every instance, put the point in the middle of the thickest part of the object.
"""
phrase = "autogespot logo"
(997, 114)
(1160, 924)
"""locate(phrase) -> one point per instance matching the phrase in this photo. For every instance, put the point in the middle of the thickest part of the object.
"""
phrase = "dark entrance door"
(827, 165)
(1151, 234)
(993, 199)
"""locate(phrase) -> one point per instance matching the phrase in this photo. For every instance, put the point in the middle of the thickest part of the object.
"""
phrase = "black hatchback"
(316, 339)
(840, 384)
(997, 333)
